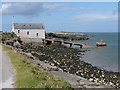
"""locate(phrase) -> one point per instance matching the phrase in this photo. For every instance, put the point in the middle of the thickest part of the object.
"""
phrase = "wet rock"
(68, 60)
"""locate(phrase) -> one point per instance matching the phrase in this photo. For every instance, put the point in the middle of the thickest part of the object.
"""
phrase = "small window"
(36, 34)
(18, 31)
(27, 33)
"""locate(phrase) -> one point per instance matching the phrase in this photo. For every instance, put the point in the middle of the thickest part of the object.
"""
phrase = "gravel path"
(6, 69)
(0, 67)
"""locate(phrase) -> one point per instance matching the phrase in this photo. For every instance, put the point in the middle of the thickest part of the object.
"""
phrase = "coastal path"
(6, 70)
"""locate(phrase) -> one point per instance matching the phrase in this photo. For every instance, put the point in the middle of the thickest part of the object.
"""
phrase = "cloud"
(29, 9)
(5, 6)
(22, 8)
(35, 8)
(96, 16)
(63, 7)
(52, 6)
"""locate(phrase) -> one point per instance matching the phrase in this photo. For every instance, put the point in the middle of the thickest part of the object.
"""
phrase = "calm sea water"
(103, 57)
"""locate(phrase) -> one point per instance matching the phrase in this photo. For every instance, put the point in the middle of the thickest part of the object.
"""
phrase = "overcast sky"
(66, 16)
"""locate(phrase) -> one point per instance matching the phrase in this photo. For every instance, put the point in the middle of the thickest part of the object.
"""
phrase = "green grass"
(30, 76)
(7, 36)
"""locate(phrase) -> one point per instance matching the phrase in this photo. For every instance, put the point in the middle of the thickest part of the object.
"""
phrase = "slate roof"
(28, 26)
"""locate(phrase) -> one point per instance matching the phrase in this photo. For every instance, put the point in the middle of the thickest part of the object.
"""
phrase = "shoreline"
(75, 80)
(100, 58)
(67, 60)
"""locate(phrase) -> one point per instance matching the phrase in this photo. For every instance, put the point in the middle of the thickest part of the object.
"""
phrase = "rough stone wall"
(29, 40)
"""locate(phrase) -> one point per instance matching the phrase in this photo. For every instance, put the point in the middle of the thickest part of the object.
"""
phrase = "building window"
(27, 33)
(36, 34)
(18, 31)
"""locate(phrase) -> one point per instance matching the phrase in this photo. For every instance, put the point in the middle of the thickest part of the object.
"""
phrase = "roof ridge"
(28, 26)
(26, 22)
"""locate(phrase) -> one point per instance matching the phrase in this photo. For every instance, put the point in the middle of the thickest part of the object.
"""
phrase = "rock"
(91, 79)
(66, 59)
(111, 83)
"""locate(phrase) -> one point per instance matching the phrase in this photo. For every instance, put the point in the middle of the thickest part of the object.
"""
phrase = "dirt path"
(6, 70)
(0, 67)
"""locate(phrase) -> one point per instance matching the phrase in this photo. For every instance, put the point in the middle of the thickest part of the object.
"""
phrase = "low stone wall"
(28, 40)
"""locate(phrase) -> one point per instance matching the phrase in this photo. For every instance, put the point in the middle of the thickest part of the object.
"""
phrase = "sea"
(103, 57)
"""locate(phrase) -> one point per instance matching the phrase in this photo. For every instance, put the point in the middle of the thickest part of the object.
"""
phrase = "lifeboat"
(101, 43)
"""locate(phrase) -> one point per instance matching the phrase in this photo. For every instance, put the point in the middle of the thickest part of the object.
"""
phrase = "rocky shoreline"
(67, 36)
(68, 60)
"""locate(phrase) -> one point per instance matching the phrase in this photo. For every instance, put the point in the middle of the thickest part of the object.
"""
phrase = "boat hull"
(101, 44)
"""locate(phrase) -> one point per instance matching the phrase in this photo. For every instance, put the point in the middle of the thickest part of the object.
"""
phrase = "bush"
(7, 36)
(51, 35)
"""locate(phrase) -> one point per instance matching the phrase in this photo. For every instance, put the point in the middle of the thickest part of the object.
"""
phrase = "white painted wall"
(32, 33)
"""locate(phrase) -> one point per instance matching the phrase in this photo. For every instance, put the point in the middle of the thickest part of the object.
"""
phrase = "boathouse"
(29, 32)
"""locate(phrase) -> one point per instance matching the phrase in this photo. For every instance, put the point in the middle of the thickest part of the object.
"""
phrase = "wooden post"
(48, 42)
(52, 41)
(71, 45)
(61, 42)
(81, 46)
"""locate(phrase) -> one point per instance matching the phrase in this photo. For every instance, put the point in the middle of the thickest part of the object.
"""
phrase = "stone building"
(29, 32)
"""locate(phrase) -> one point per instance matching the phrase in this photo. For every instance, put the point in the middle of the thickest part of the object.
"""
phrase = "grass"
(7, 36)
(29, 75)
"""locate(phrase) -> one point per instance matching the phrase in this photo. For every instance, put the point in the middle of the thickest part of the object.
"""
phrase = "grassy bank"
(30, 76)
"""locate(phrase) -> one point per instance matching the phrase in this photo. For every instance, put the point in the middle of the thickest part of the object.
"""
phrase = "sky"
(63, 16)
